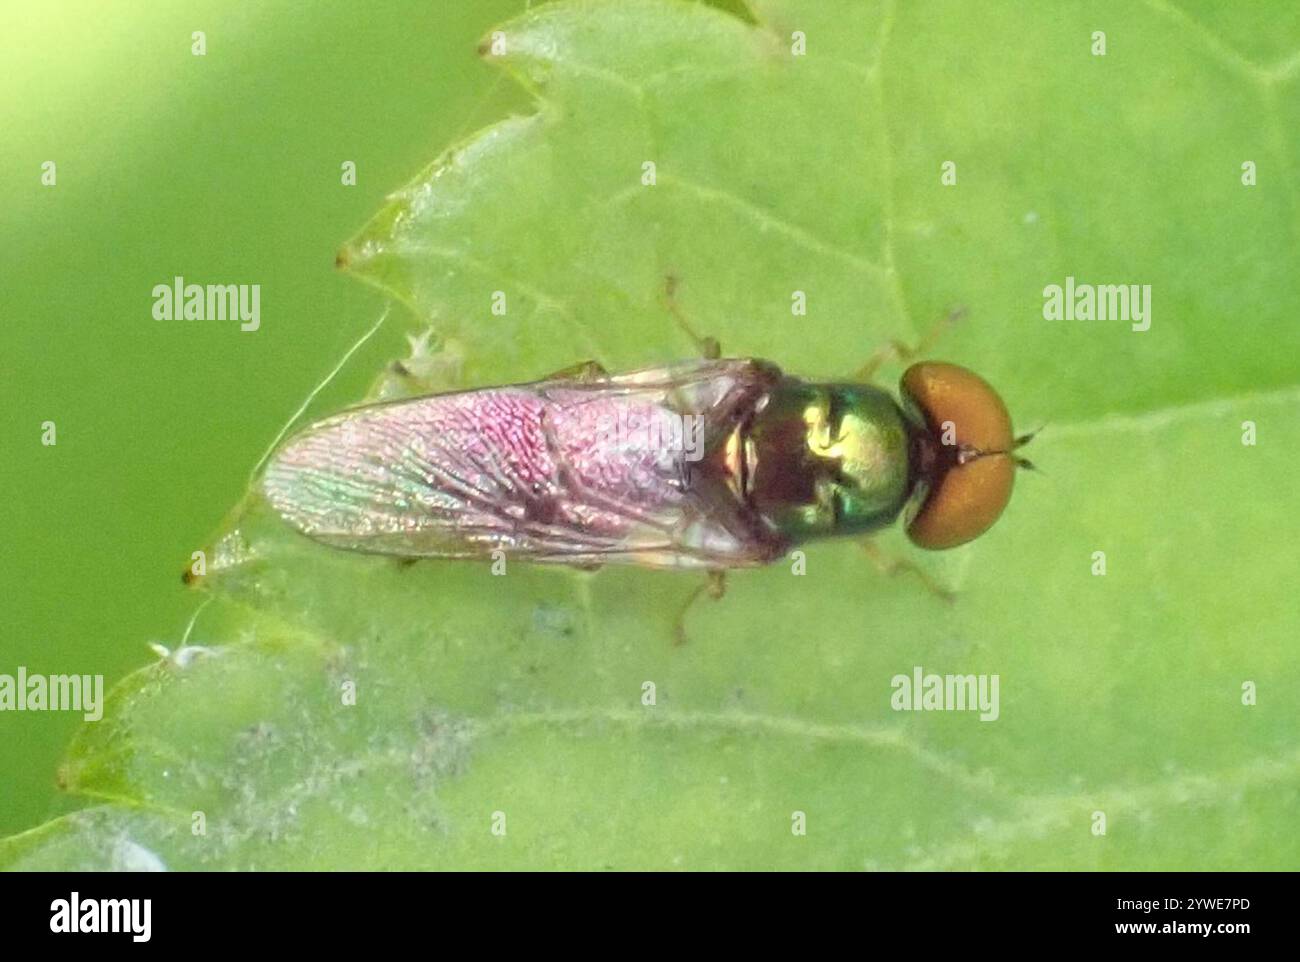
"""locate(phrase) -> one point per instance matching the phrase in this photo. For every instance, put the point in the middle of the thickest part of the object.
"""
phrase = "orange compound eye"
(963, 456)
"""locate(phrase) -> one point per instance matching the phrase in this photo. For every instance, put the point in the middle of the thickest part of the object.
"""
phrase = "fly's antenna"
(374, 329)
(1020, 442)
(1026, 438)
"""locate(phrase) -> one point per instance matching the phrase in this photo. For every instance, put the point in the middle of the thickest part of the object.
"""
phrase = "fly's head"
(962, 457)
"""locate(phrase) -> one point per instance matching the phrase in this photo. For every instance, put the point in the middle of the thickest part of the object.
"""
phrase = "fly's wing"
(577, 472)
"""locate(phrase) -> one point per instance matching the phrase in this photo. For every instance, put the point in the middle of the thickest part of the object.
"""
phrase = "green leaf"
(523, 695)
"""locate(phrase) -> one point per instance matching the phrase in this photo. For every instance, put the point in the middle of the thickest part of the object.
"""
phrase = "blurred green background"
(224, 168)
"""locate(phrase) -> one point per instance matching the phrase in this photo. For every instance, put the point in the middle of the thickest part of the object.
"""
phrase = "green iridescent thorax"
(826, 459)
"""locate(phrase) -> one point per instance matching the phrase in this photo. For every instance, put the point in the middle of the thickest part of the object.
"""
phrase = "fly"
(707, 464)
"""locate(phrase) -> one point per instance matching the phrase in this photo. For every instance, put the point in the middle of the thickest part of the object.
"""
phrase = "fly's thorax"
(826, 459)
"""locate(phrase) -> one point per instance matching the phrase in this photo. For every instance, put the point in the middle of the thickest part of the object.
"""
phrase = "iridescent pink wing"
(565, 471)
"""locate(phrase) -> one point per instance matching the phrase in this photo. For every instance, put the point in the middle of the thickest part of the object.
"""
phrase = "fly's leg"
(896, 350)
(715, 584)
(708, 347)
(897, 566)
